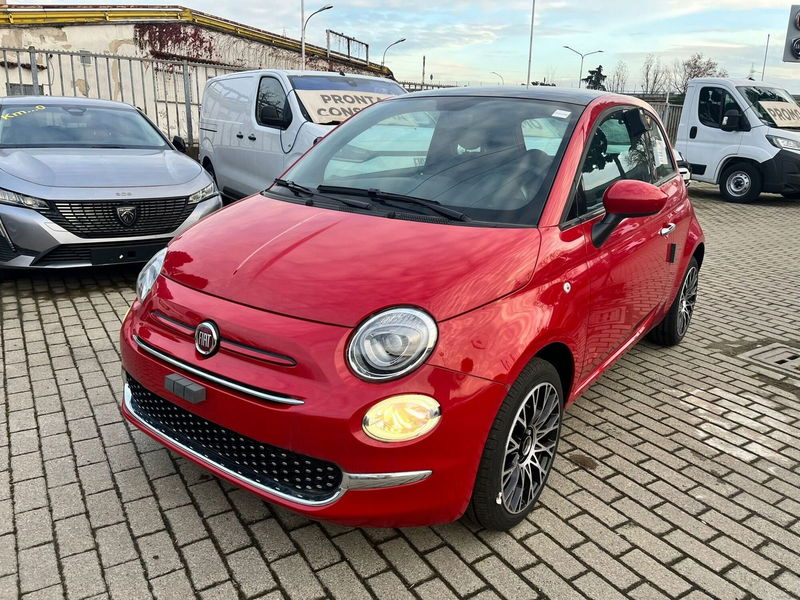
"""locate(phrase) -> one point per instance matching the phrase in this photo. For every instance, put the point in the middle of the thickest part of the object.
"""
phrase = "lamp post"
(303, 23)
(383, 60)
(502, 81)
(580, 73)
(530, 45)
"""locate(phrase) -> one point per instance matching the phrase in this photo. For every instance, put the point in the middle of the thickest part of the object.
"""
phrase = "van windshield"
(490, 159)
(330, 99)
(774, 106)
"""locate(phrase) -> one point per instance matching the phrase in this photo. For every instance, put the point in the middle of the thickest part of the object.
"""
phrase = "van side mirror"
(269, 116)
(732, 120)
(179, 143)
(626, 199)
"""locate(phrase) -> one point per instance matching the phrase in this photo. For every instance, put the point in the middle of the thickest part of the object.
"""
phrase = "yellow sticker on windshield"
(20, 113)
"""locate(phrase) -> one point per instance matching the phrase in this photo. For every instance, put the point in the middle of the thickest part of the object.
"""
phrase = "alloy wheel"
(530, 448)
(688, 299)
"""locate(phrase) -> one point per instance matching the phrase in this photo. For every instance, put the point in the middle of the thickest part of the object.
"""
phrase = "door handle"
(240, 135)
(251, 137)
(693, 133)
(668, 229)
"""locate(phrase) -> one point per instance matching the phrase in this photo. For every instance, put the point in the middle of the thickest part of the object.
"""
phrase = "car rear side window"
(272, 97)
(714, 103)
(614, 154)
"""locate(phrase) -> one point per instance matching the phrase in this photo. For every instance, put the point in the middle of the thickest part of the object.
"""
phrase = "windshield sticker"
(324, 106)
(783, 113)
(561, 114)
(20, 113)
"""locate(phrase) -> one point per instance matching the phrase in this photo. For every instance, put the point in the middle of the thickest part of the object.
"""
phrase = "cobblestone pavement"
(678, 474)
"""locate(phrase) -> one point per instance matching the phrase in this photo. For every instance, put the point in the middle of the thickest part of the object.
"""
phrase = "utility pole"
(530, 45)
(766, 51)
(423, 71)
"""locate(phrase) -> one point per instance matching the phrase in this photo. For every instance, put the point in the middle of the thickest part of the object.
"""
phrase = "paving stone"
(172, 586)
(38, 568)
(507, 583)
(408, 564)
(82, 575)
(388, 585)
(158, 553)
(228, 532)
(116, 545)
(455, 571)
(204, 563)
(296, 578)
(250, 572)
(343, 583)
(359, 553)
(74, 535)
(315, 545)
(127, 582)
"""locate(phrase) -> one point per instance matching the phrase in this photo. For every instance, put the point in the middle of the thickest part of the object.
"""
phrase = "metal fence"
(168, 92)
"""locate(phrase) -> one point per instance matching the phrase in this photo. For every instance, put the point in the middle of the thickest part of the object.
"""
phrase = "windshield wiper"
(298, 189)
(379, 195)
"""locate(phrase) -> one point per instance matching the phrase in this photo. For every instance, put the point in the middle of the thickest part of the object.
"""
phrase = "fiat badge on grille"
(206, 338)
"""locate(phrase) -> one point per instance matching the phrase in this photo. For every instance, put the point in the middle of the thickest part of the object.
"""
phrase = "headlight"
(204, 194)
(9, 197)
(148, 276)
(391, 344)
(401, 418)
(784, 143)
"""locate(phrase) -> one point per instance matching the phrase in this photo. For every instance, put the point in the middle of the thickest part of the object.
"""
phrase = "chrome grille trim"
(221, 381)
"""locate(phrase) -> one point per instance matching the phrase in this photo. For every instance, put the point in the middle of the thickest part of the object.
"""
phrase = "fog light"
(401, 418)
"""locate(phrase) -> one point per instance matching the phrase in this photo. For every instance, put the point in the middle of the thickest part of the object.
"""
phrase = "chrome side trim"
(350, 481)
(244, 389)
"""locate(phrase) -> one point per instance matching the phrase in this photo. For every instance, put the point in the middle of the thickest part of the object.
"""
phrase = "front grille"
(137, 251)
(6, 252)
(296, 475)
(93, 219)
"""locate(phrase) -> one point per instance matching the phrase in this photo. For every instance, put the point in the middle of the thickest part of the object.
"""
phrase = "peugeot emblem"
(206, 338)
(127, 215)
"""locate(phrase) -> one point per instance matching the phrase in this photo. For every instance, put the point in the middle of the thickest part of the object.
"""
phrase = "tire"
(741, 183)
(539, 388)
(675, 324)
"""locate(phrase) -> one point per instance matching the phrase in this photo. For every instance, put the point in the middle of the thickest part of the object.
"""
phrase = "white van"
(743, 135)
(255, 124)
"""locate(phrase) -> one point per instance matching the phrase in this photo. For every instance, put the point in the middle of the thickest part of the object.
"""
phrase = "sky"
(464, 41)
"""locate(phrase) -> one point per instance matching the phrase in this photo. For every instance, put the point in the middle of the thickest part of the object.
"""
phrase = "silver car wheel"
(688, 299)
(738, 184)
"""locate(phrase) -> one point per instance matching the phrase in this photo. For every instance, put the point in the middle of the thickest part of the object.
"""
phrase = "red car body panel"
(294, 280)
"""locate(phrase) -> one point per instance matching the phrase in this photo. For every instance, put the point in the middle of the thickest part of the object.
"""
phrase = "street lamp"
(530, 44)
(303, 23)
(389, 46)
(502, 81)
(580, 74)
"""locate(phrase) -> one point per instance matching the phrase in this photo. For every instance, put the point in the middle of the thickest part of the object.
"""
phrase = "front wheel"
(675, 325)
(740, 183)
(520, 449)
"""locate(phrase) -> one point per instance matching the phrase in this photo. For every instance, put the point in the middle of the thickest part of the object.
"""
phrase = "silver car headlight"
(15, 199)
(204, 194)
(148, 275)
(391, 343)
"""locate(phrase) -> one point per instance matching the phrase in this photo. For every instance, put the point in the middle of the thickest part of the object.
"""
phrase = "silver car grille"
(108, 219)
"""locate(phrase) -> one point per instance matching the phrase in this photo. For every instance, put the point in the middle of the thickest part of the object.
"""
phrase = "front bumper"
(421, 482)
(782, 173)
(28, 239)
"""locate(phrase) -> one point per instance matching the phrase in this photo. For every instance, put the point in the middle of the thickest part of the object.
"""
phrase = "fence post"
(34, 70)
(187, 100)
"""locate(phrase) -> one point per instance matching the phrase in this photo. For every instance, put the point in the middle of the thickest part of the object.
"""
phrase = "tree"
(618, 80)
(595, 79)
(695, 66)
(654, 75)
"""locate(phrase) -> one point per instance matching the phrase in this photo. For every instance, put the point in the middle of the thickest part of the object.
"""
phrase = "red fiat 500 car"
(389, 336)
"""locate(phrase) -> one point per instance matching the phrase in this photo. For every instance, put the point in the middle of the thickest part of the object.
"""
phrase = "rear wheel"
(740, 183)
(675, 325)
(520, 449)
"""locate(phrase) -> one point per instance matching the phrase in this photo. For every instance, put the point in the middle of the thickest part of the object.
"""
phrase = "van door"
(270, 135)
(708, 146)
(231, 113)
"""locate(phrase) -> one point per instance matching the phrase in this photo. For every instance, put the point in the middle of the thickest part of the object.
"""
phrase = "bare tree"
(655, 75)
(618, 80)
(695, 66)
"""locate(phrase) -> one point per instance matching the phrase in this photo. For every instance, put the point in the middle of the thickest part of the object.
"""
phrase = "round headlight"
(391, 344)
(148, 275)
(401, 418)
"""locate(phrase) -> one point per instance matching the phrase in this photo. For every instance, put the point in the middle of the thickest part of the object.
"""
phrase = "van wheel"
(520, 449)
(740, 183)
(675, 325)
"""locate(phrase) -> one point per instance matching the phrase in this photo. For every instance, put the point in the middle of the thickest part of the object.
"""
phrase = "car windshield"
(492, 159)
(75, 126)
(329, 99)
(774, 106)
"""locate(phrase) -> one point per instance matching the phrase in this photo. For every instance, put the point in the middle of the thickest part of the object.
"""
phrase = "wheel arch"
(735, 160)
(560, 356)
(699, 253)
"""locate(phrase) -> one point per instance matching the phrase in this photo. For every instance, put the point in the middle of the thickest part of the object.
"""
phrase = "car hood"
(338, 267)
(98, 167)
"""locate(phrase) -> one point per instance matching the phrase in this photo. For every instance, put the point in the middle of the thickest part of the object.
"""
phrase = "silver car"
(91, 182)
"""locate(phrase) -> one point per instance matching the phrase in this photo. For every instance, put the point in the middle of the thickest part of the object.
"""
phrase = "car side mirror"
(269, 116)
(627, 199)
(179, 143)
(732, 120)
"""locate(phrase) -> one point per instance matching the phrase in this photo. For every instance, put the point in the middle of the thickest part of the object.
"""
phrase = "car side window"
(661, 166)
(272, 103)
(714, 103)
(614, 154)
